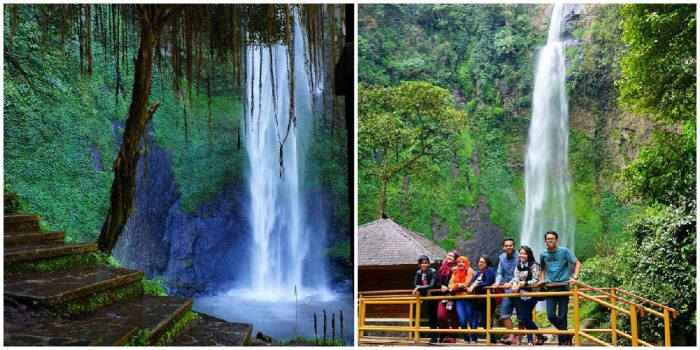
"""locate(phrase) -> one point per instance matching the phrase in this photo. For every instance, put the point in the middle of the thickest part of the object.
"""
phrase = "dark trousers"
(431, 306)
(557, 308)
(481, 310)
(525, 308)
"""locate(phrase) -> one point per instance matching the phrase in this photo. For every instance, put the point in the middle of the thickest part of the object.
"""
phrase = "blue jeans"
(465, 313)
(525, 314)
(507, 306)
(558, 318)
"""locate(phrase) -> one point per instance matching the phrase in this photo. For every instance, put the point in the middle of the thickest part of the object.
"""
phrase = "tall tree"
(400, 125)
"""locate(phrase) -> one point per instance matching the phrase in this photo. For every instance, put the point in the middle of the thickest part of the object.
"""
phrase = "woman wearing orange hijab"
(458, 285)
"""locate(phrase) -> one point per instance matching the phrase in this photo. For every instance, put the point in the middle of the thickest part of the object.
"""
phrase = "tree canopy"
(659, 80)
(400, 125)
(190, 39)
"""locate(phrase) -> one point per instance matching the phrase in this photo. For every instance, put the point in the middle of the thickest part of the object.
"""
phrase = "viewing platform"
(404, 328)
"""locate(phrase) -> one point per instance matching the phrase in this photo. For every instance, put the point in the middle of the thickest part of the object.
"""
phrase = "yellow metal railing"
(616, 300)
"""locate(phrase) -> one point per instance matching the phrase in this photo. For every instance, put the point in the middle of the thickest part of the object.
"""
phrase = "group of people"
(516, 274)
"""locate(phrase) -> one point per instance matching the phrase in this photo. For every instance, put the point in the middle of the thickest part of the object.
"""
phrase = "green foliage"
(299, 340)
(659, 79)
(48, 102)
(665, 171)
(204, 153)
(397, 126)
(341, 252)
(659, 69)
(663, 252)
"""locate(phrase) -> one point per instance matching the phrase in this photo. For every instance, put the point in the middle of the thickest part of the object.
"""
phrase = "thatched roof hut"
(387, 255)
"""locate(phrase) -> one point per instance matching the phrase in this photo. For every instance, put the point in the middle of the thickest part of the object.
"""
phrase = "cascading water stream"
(281, 280)
(547, 179)
(284, 263)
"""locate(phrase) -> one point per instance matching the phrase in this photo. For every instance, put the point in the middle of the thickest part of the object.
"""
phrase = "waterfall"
(285, 255)
(547, 179)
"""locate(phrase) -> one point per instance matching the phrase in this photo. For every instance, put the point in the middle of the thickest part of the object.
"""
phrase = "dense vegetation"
(631, 83)
(63, 126)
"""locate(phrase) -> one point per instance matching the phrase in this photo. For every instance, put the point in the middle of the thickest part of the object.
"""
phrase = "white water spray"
(547, 179)
(285, 257)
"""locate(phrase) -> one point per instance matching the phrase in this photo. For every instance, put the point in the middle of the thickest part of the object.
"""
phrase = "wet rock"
(263, 337)
(487, 238)
(211, 331)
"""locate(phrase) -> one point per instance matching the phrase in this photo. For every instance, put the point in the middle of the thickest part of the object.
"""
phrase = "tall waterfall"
(285, 255)
(547, 179)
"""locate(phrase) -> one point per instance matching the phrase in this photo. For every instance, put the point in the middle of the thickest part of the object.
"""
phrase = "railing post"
(417, 335)
(613, 318)
(633, 325)
(488, 316)
(667, 328)
(577, 321)
(361, 321)
(411, 309)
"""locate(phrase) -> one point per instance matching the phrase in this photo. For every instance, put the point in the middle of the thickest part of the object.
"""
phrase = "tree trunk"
(122, 193)
(382, 203)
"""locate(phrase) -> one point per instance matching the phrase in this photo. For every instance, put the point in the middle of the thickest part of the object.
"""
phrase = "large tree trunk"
(122, 194)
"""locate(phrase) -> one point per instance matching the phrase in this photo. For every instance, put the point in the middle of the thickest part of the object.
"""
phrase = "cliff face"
(194, 252)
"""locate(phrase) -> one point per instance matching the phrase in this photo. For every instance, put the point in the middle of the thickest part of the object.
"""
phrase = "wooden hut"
(387, 255)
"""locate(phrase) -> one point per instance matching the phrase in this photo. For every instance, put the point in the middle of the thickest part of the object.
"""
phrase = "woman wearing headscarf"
(458, 285)
(446, 307)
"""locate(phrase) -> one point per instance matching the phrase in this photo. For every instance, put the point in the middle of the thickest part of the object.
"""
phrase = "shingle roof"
(384, 242)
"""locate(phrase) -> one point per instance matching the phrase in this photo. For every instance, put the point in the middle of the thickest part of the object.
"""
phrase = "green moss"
(97, 300)
(63, 263)
(155, 286)
(176, 328)
(140, 338)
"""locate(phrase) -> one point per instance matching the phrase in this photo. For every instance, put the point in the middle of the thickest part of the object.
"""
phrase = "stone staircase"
(58, 293)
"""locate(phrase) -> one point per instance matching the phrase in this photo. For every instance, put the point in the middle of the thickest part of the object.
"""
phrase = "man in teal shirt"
(554, 262)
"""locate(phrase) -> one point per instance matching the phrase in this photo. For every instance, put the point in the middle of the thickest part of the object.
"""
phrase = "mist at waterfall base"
(547, 180)
(281, 277)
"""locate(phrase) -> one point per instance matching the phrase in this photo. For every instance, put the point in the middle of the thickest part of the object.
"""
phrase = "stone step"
(211, 331)
(113, 325)
(21, 222)
(151, 313)
(65, 332)
(28, 237)
(28, 252)
(58, 287)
